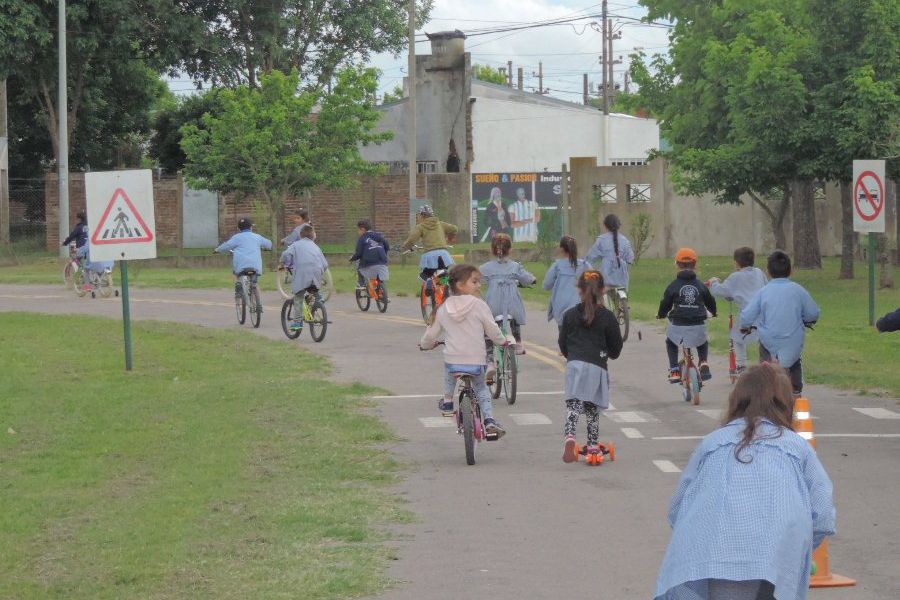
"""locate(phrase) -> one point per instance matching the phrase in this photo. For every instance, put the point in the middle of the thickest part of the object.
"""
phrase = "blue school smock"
(779, 310)
(308, 263)
(247, 255)
(615, 272)
(744, 521)
(561, 277)
(503, 277)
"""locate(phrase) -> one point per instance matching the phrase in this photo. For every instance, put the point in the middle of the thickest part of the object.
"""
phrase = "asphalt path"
(521, 523)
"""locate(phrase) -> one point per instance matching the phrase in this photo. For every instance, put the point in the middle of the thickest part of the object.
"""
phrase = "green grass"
(224, 466)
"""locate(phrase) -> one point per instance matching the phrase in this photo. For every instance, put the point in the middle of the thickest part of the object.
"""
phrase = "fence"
(27, 217)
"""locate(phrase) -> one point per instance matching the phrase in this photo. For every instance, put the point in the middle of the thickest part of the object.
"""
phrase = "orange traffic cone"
(822, 576)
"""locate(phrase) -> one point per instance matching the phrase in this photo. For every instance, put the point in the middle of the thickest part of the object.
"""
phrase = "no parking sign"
(868, 196)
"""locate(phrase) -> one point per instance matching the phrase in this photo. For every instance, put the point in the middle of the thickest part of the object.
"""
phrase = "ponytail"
(612, 223)
(591, 285)
(570, 247)
(501, 245)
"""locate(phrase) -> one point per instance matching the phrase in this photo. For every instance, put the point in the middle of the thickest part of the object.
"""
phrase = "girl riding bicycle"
(504, 276)
(615, 254)
(465, 320)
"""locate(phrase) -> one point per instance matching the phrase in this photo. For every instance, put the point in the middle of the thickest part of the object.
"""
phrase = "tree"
(165, 145)
(393, 96)
(315, 37)
(268, 142)
(489, 74)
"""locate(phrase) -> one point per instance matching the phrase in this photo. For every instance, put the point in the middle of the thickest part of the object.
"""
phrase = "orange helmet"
(686, 255)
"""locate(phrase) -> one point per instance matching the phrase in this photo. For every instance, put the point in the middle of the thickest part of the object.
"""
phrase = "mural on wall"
(524, 206)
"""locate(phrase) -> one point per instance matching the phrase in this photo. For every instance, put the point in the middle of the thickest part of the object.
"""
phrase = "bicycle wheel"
(104, 285)
(510, 375)
(497, 386)
(362, 299)
(423, 303)
(328, 286)
(283, 281)
(468, 426)
(694, 385)
(319, 322)
(69, 273)
(381, 297)
(255, 307)
(287, 315)
(240, 305)
(622, 314)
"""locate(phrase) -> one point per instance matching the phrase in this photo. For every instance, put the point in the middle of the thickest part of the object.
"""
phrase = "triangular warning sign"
(123, 225)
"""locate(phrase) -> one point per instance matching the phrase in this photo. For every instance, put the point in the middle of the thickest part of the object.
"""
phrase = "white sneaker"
(490, 373)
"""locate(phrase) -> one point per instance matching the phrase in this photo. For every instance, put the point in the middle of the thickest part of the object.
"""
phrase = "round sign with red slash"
(868, 196)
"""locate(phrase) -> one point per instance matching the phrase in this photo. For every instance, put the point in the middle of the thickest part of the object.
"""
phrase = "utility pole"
(520, 78)
(585, 93)
(610, 87)
(411, 117)
(509, 73)
(4, 168)
(604, 58)
(540, 78)
(62, 111)
(626, 81)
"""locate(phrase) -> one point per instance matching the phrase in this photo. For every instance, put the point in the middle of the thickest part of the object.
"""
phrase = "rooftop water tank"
(447, 48)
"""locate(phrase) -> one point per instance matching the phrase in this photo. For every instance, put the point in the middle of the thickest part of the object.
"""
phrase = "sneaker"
(520, 348)
(490, 373)
(595, 449)
(705, 374)
(296, 325)
(87, 287)
(445, 406)
(492, 427)
(675, 375)
(570, 453)
(739, 370)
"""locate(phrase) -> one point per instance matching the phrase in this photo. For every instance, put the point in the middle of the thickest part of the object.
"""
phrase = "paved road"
(521, 524)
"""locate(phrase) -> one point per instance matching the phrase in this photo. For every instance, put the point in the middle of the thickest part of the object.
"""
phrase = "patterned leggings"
(574, 409)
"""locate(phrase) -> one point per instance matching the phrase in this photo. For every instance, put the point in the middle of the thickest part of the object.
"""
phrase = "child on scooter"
(465, 320)
(740, 287)
(752, 503)
(588, 338)
(685, 303)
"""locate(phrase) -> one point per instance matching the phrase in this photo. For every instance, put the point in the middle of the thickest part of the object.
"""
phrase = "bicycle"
(102, 282)
(284, 277)
(691, 381)
(440, 291)
(506, 377)
(313, 313)
(617, 302)
(248, 297)
(72, 269)
(732, 359)
(366, 290)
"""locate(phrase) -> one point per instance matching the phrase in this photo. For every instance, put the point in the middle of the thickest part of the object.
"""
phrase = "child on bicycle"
(739, 287)
(433, 234)
(371, 252)
(615, 254)
(685, 303)
(465, 320)
(504, 276)
(588, 338)
(89, 266)
(308, 264)
(79, 233)
(561, 278)
(246, 248)
(752, 504)
(779, 311)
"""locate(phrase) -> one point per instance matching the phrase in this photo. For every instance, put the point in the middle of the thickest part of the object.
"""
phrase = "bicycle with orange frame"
(440, 291)
(367, 290)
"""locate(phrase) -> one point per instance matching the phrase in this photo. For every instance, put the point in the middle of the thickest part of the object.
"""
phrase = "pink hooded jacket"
(464, 321)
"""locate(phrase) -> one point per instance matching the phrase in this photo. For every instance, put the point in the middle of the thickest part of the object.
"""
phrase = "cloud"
(566, 51)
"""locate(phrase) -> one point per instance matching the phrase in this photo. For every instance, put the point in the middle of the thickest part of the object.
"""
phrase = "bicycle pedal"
(491, 437)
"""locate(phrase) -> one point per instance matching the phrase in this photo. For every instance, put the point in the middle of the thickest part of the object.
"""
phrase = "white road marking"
(438, 394)
(679, 437)
(610, 407)
(437, 421)
(878, 413)
(632, 433)
(631, 417)
(712, 413)
(666, 466)
(530, 419)
(858, 435)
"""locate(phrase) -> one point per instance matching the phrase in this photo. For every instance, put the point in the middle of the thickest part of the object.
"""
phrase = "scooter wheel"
(612, 451)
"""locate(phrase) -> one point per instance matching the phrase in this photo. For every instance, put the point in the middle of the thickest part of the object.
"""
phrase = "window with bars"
(605, 193)
(628, 162)
(638, 192)
(426, 166)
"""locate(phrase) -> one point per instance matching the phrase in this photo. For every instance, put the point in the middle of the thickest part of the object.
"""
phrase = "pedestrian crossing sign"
(120, 215)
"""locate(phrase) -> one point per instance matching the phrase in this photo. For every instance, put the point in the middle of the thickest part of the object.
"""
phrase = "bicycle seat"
(249, 272)
(460, 374)
(500, 318)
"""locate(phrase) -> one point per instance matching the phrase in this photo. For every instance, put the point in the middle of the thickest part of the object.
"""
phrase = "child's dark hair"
(308, 232)
(591, 285)
(779, 265)
(762, 392)
(612, 224)
(570, 247)
(686, 264)
(303, 214)
(745, 256)
(244, 224)
(460, 274)
(364, 224)
(501, 245)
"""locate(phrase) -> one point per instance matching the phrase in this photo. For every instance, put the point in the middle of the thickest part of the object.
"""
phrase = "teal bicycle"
(506, 378)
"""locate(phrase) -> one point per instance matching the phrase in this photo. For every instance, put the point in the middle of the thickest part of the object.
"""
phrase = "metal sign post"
(868, 213)
(123, 227)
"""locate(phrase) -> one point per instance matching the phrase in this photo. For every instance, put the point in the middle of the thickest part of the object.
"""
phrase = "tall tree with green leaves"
(244, 39)
(273, 142)
(393, 96)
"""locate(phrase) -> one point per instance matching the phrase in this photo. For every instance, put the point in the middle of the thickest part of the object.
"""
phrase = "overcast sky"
(566, 51)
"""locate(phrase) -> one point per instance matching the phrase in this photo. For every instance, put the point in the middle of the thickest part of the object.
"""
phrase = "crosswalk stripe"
(437, 422)
(878, 413)
(632, 433)
(666, 466)
(712, 413)
(631, 417)
(530, 419)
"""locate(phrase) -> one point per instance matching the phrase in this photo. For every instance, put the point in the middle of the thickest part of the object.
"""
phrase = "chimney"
(448, 48)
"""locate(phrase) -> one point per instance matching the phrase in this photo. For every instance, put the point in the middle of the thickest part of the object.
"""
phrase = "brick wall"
(166, 199)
